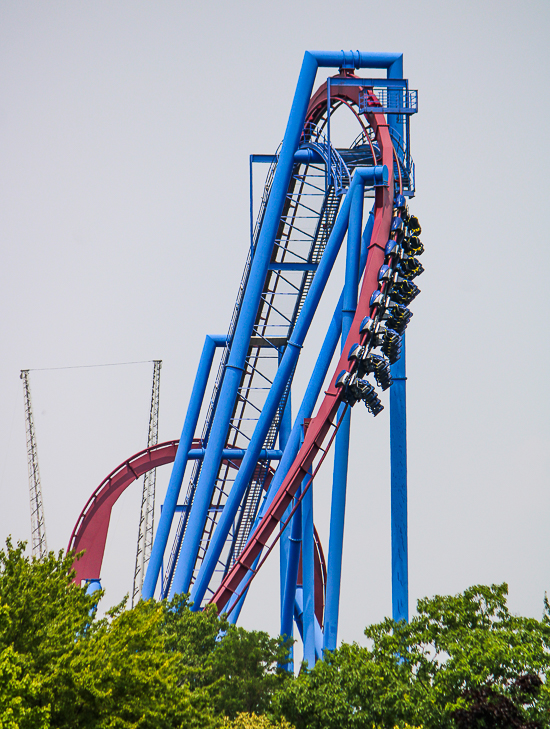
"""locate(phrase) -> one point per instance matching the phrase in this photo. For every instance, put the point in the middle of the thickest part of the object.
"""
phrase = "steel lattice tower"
(38, 524)
(147, 514)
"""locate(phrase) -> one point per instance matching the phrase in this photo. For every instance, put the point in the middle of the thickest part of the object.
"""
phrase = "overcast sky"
(126, 131)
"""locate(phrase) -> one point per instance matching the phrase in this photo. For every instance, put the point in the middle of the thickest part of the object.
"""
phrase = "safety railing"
(388, 100)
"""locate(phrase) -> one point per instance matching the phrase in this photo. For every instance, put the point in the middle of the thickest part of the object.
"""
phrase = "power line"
(78, 367)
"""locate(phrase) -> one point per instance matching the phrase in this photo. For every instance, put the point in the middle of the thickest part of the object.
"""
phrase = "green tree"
(246, 669)
(462, 659)
(255, 721)
(240, 668)
(120, 675)
(60, 667)
(158, 665)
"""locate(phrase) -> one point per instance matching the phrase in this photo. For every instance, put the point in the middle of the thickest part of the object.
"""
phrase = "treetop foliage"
(159, 665)
(462, 662)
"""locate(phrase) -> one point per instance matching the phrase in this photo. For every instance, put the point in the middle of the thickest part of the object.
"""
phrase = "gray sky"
(126, 130)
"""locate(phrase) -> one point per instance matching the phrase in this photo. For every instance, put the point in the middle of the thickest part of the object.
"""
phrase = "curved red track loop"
(90, 532)
(347, 95)
(320, 425)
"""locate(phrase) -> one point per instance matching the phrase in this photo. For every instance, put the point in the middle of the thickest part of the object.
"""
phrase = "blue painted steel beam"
(394, 83)
(285, 429)
(320, 370)
(315, 383)
(284, 372)
(398, 451)
(358, 59)
(396, 71)
(180, 463)
(398, 459)
(341, 446)
(92, 586)
(298, 617)
(305, 156)
(236, 454)
(289, 594)
(311, 395)
(308, 577)
(293, 266)
(263, 158)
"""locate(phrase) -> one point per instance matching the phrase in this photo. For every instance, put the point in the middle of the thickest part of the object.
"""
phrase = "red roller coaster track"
(89, 535)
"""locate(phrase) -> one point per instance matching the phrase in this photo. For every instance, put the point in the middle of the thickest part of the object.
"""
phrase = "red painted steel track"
(90, 532)
(323, 421)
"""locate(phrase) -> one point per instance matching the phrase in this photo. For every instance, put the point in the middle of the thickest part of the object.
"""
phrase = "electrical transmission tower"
(38, 524)
(147, 515)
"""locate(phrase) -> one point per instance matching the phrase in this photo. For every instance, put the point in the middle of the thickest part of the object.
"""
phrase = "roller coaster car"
(385, 273)
(414, 226)
(413, 245)
(381, 368)
(342, 379)
(397, 318)
(391, 248)
(377, 298)
(410, 268)
(391, 345)
(400, 202)
(346, 381)
(403, 292)
(367, 326)
(356, 389)
(368, 395)
(356, 352)
(397, 224)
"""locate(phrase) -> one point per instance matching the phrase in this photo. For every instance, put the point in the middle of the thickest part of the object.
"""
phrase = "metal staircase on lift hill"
(312, 203)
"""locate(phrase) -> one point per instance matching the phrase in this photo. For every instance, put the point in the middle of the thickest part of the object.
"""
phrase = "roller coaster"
(251, 468)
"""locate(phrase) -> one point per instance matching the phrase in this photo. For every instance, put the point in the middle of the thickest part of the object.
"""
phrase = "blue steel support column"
(398, 452)
(341, 445)
(311, 395)
(178, 469)
(284, 543)
(308, 577)
(310, 398)
(289, 596)
(276, 391)
(308, 403)
(395, 70)
(398, 455)
(315, 383)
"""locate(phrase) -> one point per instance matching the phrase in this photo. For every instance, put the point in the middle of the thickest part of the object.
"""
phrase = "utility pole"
(147, 515)
(38, 524)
